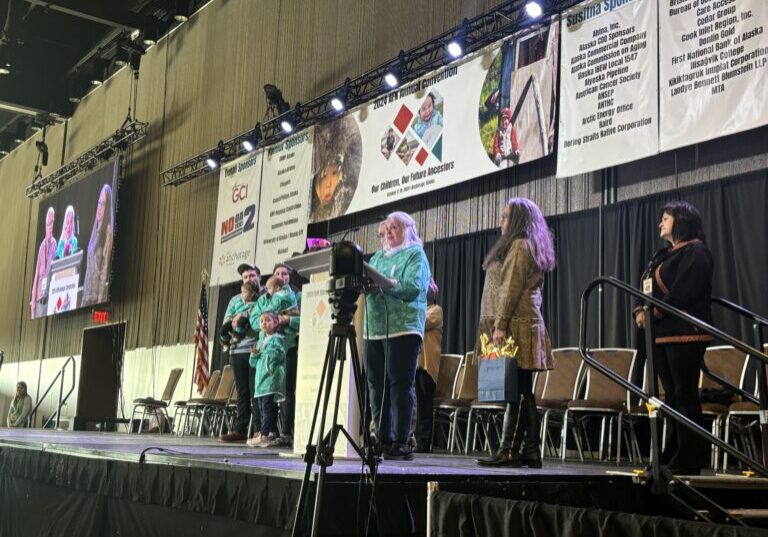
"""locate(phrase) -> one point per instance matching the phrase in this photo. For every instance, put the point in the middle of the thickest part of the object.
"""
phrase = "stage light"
(98, 71)
(5, 61)
(214, 159)
(287, 126)
(395, 73)
(457, 45)
(533, 10)
(151, 32)
(251, 141)
(182, 11)
(391, 80)
(134, 35)
(275, 99)
(339, 101)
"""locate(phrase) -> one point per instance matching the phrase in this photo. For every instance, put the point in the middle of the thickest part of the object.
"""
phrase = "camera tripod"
(342, 334)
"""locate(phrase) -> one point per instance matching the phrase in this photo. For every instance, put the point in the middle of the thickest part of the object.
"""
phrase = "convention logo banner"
(493, 110)
(608, 101)
(285, 185)
(714, 60)
(236, 217)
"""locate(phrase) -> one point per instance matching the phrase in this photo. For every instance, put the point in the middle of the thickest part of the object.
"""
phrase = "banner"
(493, 110)
(714, 58)
(316, 322)
(285, 185)
(608, 102)
(236, 215)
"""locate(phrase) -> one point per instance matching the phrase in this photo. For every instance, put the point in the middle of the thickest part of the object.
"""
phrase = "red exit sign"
(100, 316)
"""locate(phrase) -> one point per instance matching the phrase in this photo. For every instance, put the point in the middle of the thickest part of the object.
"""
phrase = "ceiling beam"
(101, 12)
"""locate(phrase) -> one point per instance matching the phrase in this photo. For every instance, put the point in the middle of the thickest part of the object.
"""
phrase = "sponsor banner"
(608, 101)
(714, 59)
(236, 216)
(492, 110)
(285, 185)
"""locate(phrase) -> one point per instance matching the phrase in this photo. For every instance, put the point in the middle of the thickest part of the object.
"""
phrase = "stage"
(64, 483)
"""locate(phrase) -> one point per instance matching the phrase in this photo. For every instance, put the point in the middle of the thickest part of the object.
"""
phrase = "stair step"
(748, 513)
(723, 481)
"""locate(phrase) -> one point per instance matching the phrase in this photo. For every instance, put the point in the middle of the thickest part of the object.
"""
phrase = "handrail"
(744, 394)
(654, 402)
(741, 310)
(2, 359)
(62, 400)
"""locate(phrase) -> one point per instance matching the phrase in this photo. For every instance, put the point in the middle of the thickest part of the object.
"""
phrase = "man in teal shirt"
(238, 359)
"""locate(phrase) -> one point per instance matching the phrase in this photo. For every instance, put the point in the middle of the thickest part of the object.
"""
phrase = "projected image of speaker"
(75, 236)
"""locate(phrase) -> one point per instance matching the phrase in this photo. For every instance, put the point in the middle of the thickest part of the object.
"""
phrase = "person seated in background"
(268, 359)
(236, 322)
(21, 407)
(427, 371)
(68, 241)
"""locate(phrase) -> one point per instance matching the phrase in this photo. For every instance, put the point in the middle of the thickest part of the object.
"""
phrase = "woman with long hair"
(99, 251)
(21, 406)
(511, 307)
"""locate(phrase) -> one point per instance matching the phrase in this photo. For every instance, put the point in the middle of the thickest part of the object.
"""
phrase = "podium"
(316, 323)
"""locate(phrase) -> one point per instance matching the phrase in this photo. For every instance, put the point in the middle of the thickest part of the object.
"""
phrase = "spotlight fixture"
(275, 100)
(182, 10)
(393, 76)
(534, 10)
(458, 44)
(134, 35)
(5, 61)
(214, 159)
(21, 132)
(339, 101)
(287, 125)
(151, 31)
(98, 71)
(251, 141)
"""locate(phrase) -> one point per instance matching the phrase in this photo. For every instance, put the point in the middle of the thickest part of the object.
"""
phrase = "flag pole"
(204, 276)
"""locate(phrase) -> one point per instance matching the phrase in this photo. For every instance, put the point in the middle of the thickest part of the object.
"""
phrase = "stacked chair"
(156, 408)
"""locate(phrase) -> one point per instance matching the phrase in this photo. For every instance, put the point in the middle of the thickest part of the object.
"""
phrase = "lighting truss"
(504, 20)
(131, 132)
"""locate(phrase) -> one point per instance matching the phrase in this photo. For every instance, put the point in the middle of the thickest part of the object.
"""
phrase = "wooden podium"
(316, 323)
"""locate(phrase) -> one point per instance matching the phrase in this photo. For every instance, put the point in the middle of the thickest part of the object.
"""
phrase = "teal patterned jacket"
(269, 363)
(282, 301)
(406, 302)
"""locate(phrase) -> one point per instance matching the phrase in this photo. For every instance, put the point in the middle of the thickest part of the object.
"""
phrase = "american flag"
(202, 371)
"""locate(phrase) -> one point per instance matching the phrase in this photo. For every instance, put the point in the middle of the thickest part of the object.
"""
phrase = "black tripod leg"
(311, 449)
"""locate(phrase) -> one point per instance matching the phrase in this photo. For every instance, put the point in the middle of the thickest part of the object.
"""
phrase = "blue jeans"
(268, 414)
(392, 383)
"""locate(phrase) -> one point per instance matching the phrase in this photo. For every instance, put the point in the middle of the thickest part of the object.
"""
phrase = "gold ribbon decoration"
(488, 350)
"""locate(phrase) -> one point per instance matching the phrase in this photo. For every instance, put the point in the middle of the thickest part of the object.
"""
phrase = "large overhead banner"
(236, 217)
(285, 185)
(608, 101)
(714, 60)
(493, 110)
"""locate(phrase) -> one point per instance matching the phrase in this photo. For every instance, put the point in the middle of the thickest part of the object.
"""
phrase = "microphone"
(347, 232)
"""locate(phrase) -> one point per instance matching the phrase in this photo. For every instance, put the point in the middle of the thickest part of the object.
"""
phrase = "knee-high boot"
(531, 452)
(508, 453)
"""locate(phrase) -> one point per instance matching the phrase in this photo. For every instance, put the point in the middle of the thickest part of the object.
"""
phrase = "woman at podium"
(394, 329)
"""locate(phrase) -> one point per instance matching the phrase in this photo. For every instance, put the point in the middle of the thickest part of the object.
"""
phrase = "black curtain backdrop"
(736, 225)
(468, 515)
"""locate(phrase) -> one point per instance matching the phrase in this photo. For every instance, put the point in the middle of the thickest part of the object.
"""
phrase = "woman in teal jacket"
(394, 329)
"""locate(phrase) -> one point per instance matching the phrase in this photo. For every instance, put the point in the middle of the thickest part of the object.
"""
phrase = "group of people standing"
(403, 327)
(260, 331)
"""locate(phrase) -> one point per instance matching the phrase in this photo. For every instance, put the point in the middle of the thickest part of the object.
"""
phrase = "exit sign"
(100, 316)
